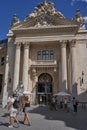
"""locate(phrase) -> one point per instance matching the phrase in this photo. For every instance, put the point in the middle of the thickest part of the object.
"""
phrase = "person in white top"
(13, 111)
(65, 104)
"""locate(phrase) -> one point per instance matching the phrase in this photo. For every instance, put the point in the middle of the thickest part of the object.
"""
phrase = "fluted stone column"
(5, 93)
(25, 66)
(63, 67)
(16, 66)
(34, 77)
(73, 67)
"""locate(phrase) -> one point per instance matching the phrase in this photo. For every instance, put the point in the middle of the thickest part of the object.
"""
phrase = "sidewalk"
(42, 118)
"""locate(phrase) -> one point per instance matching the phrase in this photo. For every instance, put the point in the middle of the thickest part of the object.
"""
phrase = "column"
(16, 66)
(63, 66)
(25, 66)
(34, 77)
(73, 67)
(5, 93)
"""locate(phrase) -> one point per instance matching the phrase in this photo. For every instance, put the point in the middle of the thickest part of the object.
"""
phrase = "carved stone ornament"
(79, 19)
(43, 15)
(15, 20)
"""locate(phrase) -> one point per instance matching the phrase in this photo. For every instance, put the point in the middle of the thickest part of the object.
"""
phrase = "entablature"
(53, 30)
(44, 39)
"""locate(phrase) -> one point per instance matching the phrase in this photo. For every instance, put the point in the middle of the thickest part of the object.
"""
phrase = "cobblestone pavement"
(42, 118)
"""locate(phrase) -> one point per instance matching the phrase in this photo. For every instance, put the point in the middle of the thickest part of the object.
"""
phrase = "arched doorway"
(44, 88)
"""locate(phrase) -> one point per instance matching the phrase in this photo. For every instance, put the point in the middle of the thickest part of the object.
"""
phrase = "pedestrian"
(26, 108)
(53, 103)
(56, 103)
(65, 104)
(13, 111)
(75, 104)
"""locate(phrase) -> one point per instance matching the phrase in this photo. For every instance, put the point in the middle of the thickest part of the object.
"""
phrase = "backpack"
(16, 104)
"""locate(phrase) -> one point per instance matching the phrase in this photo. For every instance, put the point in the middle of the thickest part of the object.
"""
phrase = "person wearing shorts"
(13, 112)
(26, 108)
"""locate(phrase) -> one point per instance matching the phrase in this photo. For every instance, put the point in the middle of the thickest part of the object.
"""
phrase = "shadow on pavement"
(5, 115)
(4, 124)
(77, 120)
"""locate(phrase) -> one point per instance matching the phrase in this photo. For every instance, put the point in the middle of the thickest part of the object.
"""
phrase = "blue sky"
(24, 7)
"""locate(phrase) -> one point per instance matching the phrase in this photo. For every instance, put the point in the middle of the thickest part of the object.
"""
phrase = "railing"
(44, 63)
(83, 104)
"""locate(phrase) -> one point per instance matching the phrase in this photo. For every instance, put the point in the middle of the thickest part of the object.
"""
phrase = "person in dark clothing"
(26, 108)
(75, 104)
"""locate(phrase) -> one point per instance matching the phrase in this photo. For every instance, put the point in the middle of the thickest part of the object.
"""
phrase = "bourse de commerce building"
(47, 52)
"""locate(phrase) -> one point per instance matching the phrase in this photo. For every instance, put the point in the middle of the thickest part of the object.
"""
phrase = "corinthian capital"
(63, 43)
(18, 44)
(73, 43)
(26, 45)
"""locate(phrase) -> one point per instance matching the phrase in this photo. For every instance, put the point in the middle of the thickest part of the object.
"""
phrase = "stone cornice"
(45, 28)
(58, 30)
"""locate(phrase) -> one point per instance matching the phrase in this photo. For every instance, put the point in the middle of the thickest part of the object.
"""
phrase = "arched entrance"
(44, 88)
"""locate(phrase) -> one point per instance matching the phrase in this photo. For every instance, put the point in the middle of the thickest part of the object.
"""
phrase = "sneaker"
(10, 126)
(16, 125)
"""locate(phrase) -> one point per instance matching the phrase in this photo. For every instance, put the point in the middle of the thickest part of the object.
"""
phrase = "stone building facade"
(48, 53)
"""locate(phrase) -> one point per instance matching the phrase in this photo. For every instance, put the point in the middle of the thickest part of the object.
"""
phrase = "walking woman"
(26, 108)
(13, 111)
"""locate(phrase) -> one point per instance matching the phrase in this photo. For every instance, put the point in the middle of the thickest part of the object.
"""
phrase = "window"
(2, 60)
(45, 55)
(39, 55)
(51, 55)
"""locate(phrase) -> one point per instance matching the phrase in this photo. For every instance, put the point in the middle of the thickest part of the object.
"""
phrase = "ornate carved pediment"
(44, 15)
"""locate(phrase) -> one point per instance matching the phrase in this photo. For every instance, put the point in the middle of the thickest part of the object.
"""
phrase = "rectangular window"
(45, 55)
(51, 55)
(39, 55)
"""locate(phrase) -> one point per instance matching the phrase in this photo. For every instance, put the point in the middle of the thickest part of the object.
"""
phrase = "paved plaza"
(42, 118)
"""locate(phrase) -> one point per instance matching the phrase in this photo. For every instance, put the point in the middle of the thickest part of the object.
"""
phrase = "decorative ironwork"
(45, 77)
